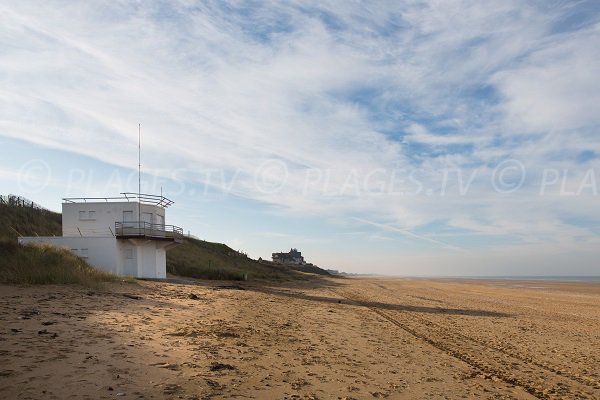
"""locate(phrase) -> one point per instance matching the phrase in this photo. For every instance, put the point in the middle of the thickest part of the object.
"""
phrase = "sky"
(410, 138)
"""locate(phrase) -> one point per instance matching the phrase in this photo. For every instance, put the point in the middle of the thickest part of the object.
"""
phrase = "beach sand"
(325, 339)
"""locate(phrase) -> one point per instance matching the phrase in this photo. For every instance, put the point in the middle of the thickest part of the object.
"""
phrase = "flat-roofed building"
(125, 235)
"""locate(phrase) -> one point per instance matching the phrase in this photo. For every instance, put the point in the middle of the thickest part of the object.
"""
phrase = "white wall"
(138, 258)
(152, 256)
(128, 258)
(76, 217)
(147, 267)
(101, 252)
(92, 237)
(161, 260)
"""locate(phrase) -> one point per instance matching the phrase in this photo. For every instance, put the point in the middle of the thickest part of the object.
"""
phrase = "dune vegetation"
(40, 264)
(207, 260)
(43, 264)
(27, 220)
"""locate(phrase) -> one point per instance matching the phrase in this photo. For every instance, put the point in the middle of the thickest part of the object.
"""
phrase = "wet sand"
(327, 339)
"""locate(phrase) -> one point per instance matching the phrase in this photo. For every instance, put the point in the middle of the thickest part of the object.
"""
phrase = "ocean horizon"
(554, 278)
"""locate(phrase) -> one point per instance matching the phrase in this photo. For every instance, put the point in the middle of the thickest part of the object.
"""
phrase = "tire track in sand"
(496, 364)
(583, 379)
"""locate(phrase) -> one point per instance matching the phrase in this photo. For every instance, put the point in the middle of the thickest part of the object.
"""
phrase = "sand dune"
(327, 339)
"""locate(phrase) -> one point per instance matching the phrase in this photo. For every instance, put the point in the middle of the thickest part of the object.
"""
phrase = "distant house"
(291, 257)
(124, 235)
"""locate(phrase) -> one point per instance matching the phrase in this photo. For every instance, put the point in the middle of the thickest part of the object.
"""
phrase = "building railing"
(152, 199)
(146, 230)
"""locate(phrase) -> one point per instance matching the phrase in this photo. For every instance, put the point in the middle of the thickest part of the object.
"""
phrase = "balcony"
(146, 230)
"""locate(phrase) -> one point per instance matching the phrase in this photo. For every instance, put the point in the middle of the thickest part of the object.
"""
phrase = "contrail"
(407, 233)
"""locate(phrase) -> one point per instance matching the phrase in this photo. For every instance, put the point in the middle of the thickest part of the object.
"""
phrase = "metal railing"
(18, 201)
(141, 229)
(155, 200)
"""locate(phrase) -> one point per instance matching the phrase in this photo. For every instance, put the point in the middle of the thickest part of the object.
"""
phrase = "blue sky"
(408, 138)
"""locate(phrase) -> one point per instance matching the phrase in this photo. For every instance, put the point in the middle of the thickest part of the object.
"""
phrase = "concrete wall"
(161, 260)
(152, 256)
(88, 231)
(137, 258)
(98, 218)
(147, 252)
(101, 252)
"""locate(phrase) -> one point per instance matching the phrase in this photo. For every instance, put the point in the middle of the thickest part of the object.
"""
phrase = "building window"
(147, 217)
(128, 219)
(87, 215)
(129, 254)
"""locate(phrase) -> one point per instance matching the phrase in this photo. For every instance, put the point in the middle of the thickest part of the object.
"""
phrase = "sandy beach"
(326, 339)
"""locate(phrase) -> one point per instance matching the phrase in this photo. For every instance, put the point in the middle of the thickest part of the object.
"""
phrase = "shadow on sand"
(297, 289)
(328, 283)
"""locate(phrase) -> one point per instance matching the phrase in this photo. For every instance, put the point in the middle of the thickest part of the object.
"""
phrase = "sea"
(556, 278)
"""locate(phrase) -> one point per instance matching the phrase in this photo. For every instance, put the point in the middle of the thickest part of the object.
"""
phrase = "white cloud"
(556, 86)
(420, 134)
(218, 88)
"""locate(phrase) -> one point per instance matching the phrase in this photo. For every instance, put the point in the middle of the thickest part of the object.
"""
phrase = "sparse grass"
(210, 273)
(206, 260)
(308, 268)
(43, 264)
(28, 222)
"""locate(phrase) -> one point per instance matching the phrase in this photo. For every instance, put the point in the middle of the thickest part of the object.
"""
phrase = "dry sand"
(330, 339)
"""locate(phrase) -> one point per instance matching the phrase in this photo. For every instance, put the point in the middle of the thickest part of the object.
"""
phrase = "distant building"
(292, 257)
(124, 235)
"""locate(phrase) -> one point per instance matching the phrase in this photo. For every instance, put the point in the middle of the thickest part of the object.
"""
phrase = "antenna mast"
(139, 171)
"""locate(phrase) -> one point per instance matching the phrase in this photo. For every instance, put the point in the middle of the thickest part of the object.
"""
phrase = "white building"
(124, 235)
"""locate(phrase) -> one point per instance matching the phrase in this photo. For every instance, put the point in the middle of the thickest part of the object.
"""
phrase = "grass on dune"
(40, 264)
(43, 264)
(28, 222)
(206, 260)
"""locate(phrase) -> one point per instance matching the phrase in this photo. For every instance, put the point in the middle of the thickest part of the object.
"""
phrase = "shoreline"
(564, 279)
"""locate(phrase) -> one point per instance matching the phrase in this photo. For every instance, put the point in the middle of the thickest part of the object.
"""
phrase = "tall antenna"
(139, 172)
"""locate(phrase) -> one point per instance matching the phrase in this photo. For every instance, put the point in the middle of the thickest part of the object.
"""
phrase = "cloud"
(554, 87)
(420, 134)
(372, 110)
(406, 232)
